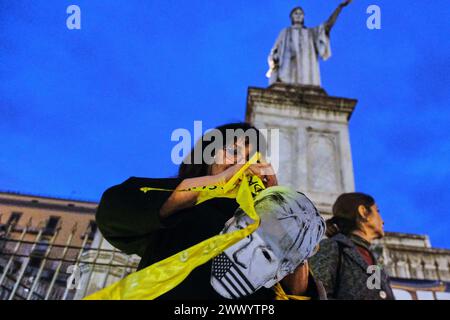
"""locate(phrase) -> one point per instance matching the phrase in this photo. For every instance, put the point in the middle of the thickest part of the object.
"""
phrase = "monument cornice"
(422, 250)
(309, 97)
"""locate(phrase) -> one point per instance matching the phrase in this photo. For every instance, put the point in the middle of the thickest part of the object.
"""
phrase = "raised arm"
(181, 200)
(332, 19)
(128, 217)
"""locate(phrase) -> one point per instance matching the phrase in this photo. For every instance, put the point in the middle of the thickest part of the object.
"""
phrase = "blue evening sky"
(81, 110)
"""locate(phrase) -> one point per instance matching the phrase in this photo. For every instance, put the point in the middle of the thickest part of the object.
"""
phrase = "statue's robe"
(297, 51)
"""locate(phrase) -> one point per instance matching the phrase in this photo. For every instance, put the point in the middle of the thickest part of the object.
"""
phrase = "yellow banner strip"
(157, 279)
(281, 295)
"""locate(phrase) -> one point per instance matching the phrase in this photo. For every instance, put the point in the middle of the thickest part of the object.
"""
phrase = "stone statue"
(294, 58)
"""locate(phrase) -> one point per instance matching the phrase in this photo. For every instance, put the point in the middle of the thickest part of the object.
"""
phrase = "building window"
(14, 218)
(51, 226)
(38, 253)
(92, 229)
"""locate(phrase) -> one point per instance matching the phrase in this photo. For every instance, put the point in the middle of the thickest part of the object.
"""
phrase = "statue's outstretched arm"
(332, 19)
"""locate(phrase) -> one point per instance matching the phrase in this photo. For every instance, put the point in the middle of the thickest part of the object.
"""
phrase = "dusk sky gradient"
(82, 110)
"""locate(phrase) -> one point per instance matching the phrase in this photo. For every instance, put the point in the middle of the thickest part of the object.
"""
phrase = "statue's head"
(297, 16)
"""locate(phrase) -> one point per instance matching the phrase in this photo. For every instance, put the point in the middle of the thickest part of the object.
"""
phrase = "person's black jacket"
(343, 271)
(129, 219)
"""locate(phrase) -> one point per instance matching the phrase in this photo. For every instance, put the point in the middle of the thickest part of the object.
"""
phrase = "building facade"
(40, 238)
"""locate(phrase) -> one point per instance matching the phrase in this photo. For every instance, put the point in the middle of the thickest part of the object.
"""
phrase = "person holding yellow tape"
(168, 223)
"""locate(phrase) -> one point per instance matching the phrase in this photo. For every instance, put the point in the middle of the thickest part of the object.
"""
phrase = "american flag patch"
(230, 278)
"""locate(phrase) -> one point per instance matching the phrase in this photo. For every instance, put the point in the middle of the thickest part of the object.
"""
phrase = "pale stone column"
(102, 268)
(314, 143)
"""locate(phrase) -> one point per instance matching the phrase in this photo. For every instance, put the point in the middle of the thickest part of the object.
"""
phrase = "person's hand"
(228, 173)
(265, 172)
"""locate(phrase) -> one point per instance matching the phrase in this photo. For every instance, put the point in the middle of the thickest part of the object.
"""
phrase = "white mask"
(290, 229)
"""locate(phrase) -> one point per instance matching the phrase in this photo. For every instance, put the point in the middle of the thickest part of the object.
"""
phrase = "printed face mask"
(290, 229)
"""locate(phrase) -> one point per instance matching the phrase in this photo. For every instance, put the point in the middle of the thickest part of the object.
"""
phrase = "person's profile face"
(297, 17)
(378, 220)
(375, 221)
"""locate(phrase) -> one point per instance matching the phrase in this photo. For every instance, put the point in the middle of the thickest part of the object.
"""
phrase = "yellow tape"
(157, 279)
(281, 295)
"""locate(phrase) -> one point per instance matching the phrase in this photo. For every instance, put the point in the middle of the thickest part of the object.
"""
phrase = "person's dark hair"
(191, 169)
(345, 213)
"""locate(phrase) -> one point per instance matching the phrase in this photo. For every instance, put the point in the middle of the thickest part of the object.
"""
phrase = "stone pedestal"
(314, 144)
(103, 265)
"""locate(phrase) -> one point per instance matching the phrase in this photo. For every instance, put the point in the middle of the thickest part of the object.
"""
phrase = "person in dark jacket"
(345, 262)
(158, 224)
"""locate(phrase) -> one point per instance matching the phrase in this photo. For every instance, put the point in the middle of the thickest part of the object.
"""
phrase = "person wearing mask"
(158, 224)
